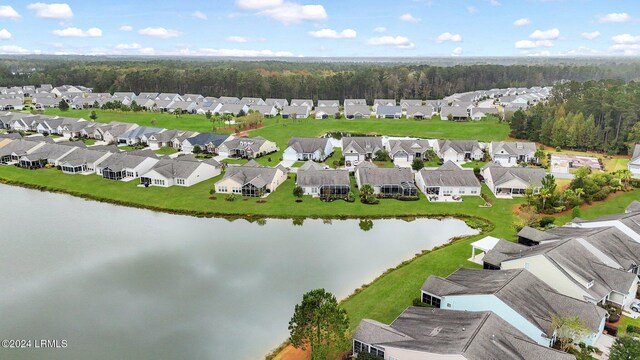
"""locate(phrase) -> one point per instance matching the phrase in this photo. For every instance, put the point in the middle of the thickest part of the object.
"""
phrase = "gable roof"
(385, 110)
(305, 145)
(180, 167)
(521, 291)
(315, 176)
(351, 110)
(376, 176)
(635, 157)
(501, 175)
(513, 147)
(362, 144)
(203, 139)
(459, 146)
(408, 146)
(252, 173)
(449, 174)
(474, 335)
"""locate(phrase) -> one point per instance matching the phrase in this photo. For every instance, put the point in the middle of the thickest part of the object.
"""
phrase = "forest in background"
(593, 115)
(300, 79)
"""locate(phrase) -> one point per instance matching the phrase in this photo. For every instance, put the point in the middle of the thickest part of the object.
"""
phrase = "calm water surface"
(122, 283)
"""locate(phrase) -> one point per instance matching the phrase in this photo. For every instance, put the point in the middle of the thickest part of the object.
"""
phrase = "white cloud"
(590, 35)
(447, 36)
(13, 49)
(456, 52)
(51, 11)
(5, 34)
(289, 13)
(8, 12)
(614, 18)
(626, 49)
(258, 4)
(551, 34)
(159, 32)
(529, 44)
(333, 34)
(380, 29)
(400, 42)
(409, 18)
(236, 39)
(132, 46)
(77, 32)
(522, 22)
(472, 9)
(147, 51)
(626, 39)
(494, 3)
(126, 28)
(199, 15)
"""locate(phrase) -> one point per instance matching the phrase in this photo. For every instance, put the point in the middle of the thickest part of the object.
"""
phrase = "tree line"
(592, 116)
(286, 79)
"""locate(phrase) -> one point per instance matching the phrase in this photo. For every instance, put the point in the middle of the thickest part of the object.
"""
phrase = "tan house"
(251, 179)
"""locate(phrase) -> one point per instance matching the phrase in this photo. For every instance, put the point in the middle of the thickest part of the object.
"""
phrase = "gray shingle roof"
(307, 145)
(389, 110)
(252, 173)
(362, 145)
(313, 177)
(513, 147)
(474, 335)
(449, 174)
(375, 176)
(531, 176)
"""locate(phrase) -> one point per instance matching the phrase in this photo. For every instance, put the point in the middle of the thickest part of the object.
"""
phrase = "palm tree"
(579, 192)
(544, 195)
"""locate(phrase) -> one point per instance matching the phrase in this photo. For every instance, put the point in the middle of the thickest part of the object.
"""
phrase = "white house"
(248, 148)
(316, 180)
(512, 181)
(510, 153)
(297, 111)
(125, 166)
(251, 179)
(359, 149)
(182, 171)
(458, 151)
(447, 181)
(634, 164)
(303, 149)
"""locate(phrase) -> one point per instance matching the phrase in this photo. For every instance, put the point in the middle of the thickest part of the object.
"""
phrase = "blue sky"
(311, 28)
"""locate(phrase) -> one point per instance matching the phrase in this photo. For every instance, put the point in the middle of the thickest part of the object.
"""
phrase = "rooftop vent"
(435, 331)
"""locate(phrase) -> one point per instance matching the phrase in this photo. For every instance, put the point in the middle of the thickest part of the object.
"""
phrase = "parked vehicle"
(635, 306)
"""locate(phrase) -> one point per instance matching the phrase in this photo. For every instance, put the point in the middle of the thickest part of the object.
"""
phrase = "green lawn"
(626, 321)
(167, 150)
(89, 142)
(234, 161)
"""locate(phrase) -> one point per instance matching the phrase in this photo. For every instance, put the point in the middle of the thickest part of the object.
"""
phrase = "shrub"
(547, 220)
(633, 329)
(231, 197)
(575, 213)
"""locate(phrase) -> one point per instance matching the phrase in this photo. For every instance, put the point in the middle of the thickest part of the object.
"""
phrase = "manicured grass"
(615, 204)
(127, 148)
(336, 156)
(626, 321)
(167, 150)
(615, 164)
(474, 164)
(89, 142)
(234, 161)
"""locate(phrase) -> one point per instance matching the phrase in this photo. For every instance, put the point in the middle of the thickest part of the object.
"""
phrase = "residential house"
(249, 148)
(510, 153)
(193, 97)
(455, 113)
(251, 179)
(232, 109)
(207, 142)
(388, 182)
(82, 161)
(303, 149)
(328, 103)
(388, 112)
(429, 333)
(295, 111)
(302, 102)
(184, 170)
(166, 138)
(177, 141)
(278, 103)
(161, 105)
(317, 180)
(12, 104)
(359, 149)
(184, 107)
(73, 129)
(138, 135)
(11, 152)
(419, 112)
(169, 97)
(324, 112)
(458, 151)
(267, 111)
(126, 166)
(447, 181)
(41, 103)
(250, 101)
(46, 154)
(634, 164)
(512, 181)
(228, 100)
(357, 111)
(383, 102)
(403, 152)
(351, 102)
(114, 130)
(518, 297)
(406, 103)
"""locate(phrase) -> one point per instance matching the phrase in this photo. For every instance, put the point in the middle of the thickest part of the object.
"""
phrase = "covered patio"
(481, 247)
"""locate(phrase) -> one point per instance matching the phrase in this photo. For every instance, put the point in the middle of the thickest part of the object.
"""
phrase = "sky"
(323, 28)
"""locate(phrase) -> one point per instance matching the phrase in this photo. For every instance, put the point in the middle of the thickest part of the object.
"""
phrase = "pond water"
(123, 283)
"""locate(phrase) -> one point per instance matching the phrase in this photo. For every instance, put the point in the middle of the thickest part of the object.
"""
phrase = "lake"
(124, 283)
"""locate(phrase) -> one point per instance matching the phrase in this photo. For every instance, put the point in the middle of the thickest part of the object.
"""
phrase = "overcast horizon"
(320, 28)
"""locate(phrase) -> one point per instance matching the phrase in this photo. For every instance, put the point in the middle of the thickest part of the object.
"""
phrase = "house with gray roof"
(325, 112)
(166, 138)
(479, 113)
(634, 163)
(251, 179)
(125, 166)
(351, 102)
(232, 109)
(458, 151)
(184, 170)
(185, 107)
(388, 112)
(512, 181)
(249, 101)
(429, 333)
(267, 111)
(278, 103)
(317, 180)
(12, 104)
(11, 153)
(383, 102)
(303, 149)
(455, 113)
(582, 265)
(447, 182)
(357, 111)
(247, 148)
(512, 153)
(207, 142)
(357, 149)
(403, 152)
(82, 161)
(138, 135)
(633, 207)
(387, 182)
(302, 102)
(193, 97)
(46, 154)
(419, 112)
(41, 103)
(518, 297)
(295, 111)
(169, 97)
(328, 103)
(406, 103)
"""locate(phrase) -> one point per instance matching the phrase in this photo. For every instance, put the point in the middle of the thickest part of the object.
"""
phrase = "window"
(431, 300)
(180, 181)
(475, 192)
(359, 347)
(236, 190)
(222, 189)
(461, 191)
